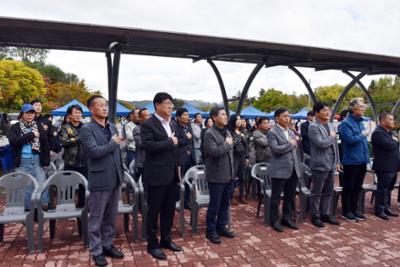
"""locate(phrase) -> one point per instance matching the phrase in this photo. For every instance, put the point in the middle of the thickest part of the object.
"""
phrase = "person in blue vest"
(355, 159)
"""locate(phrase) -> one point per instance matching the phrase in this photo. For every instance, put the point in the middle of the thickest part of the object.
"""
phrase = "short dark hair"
(133, 110)
(260, 120)
(160, 97)
(141, 111)
(214, 112)
(70, 108)
(180, 111)
(383, 115)
(36, 100)
(232, 122)
(91, 99)
(196, 114)
(310, 113)
(343, 114)
(318, 106)
(279, 111)
(206, 121)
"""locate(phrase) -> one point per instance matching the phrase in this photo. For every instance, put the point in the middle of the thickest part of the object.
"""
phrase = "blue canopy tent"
(192, 111)
(150, 107)
(62, 111)
(122, 110)
(251, 113)
(302, 114)
(270, 115)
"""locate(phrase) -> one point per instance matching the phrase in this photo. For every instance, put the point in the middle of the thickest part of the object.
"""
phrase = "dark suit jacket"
(304, 137)
(386, 151)
(160, 166)
(185, 145)
(104, 157)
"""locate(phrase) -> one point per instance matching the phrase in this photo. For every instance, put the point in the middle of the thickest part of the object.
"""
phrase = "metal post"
(221, 85)
(370, 100)
(113, 72)
(246, 87)
(396, 107)
(307, 84)
(345, 91)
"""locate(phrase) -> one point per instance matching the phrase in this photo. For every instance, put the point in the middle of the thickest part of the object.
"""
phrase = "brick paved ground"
(374, 242)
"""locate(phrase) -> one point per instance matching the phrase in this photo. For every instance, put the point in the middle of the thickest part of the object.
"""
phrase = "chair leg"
(267, 213)
(144, 222)
(126, 223)
(79, 226)
(182, 220)
(30, 235)
(1, 232)
(40, 233)
(260, 199)
(52, 224)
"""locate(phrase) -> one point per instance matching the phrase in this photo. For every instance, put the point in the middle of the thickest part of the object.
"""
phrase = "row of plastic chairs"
(65, 185)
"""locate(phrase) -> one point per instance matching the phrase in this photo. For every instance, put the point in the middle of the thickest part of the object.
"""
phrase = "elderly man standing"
(101, 142)
(355, 159)
(386, 164)
(284, 170)
(323, 163)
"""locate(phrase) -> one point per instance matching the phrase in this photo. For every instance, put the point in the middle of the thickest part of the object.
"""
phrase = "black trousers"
(239, 173)
(161, 202)
(353, 179)
(386, 182)
(288, 186)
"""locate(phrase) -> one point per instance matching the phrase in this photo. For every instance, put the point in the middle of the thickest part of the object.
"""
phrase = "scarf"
(27, 127)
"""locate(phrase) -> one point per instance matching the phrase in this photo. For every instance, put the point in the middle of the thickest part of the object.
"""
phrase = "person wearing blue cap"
(28, 141)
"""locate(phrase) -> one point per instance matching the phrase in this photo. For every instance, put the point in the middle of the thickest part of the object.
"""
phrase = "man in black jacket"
(102, 144)
(304, 132)
(386, 164)
(160, 174)
(45, 123)
(218, 145)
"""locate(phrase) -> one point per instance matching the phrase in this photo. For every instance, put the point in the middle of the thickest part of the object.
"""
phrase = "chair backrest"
(305, 175)
(14, 184)
(196, 175)
(66, 182)
(260, 170)
(128, 180)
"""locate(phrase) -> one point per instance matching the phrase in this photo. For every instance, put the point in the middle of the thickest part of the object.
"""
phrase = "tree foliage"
(19, 83)
(24, 53)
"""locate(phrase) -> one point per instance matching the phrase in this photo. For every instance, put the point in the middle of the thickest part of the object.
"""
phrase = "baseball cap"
(27, 107)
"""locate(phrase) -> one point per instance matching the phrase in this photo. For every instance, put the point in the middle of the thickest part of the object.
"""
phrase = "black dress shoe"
(171, 246)
(99, 260)
(113, 252)
(391, 213)
(226, 233)
(157, 254)
(360, 216)
(290, 224)
(382, 215)
(214, 238)
(277, 227)
(317, 222)
(330, 219)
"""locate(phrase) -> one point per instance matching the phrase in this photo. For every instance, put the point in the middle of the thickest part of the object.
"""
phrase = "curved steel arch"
(307, 84)
(246, 87)
(396, 107)
(345, 91)
(221, 85)
(367, 94)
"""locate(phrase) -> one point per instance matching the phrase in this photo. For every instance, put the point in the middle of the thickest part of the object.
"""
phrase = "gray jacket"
(321, 144)
(263, 151)
(284, 155)
(140, 152)
(219, 160)
(104, 157)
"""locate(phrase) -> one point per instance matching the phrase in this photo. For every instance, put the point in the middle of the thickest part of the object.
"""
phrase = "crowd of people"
(162, 149)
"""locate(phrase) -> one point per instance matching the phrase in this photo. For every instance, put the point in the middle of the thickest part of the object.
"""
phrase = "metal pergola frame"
(113, 41)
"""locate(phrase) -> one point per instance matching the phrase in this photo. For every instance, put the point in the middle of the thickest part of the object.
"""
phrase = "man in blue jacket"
(385, 146)
(355, 159)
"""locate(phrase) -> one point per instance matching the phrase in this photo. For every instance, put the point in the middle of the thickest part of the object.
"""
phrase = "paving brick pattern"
(371, 243)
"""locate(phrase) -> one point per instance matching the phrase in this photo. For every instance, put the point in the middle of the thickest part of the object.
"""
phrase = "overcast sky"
(362, 25)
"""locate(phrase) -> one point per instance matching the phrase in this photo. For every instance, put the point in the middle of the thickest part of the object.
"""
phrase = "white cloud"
(358, 25)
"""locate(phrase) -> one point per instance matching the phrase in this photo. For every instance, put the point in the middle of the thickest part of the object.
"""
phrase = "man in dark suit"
(218, 145)
(160, 174)
(101, 142)
(305, 141)
(386, 164)
(284, 170)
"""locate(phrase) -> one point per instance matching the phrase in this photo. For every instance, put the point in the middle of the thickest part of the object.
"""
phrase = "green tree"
(330, 94)
(19, 83)
(24, 53)
(271, 99)
(385, 91)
